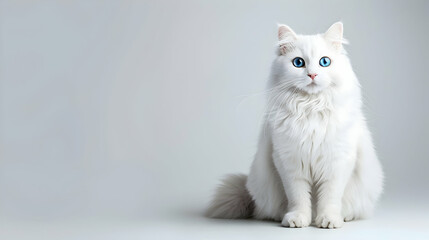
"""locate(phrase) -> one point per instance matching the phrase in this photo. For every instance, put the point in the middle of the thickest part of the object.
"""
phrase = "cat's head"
(311, 63)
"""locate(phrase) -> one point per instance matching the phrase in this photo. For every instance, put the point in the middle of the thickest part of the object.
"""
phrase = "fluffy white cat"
(315, 155)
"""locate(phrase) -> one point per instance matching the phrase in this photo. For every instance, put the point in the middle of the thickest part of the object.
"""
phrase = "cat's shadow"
(200, 215)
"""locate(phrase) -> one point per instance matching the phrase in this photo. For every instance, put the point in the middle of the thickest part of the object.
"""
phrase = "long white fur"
(315, 157)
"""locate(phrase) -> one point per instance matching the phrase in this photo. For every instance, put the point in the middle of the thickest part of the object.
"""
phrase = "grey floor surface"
(391, 221)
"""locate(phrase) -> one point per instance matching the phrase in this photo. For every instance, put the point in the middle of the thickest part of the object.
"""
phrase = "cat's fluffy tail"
(232, 199)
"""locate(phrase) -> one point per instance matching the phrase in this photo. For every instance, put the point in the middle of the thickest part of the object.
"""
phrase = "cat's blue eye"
(298, 62)
(325, 61)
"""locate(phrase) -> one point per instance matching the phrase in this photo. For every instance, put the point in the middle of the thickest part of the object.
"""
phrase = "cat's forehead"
(311, 45)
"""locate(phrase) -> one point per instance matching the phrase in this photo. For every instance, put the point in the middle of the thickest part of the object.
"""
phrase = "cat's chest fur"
(305, 130)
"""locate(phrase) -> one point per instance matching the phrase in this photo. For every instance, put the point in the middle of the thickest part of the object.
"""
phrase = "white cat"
(315, 155)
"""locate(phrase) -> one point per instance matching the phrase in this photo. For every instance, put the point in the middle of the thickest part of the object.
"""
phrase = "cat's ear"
(286, 38)
(334, 35)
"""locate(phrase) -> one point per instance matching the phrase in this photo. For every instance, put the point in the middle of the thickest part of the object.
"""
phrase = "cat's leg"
(330, 192)
(264, 183)
(298, 192)
(354, 203)
(365, 184)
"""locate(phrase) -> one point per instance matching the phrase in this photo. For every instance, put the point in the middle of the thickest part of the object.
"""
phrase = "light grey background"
(132, 110)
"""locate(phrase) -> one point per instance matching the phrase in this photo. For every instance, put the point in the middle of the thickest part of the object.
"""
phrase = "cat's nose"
(312, 75)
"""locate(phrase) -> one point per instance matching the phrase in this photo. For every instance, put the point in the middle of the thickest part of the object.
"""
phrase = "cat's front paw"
(296, 220)
(329, 221)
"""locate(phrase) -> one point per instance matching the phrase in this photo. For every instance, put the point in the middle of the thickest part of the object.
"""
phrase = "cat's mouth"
(312, 88)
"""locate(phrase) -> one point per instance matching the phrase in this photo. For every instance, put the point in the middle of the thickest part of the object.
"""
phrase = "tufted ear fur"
(286, 38)
(334, 35)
